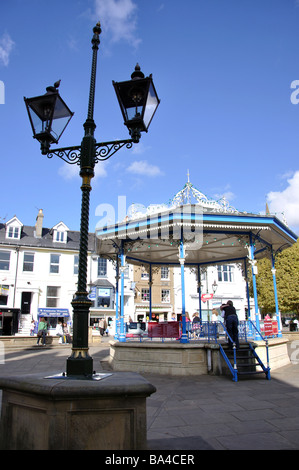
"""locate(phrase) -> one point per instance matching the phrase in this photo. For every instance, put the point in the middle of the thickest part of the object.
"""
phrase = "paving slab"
(199, 412)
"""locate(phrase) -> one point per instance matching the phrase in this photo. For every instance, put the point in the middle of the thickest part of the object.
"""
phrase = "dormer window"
(60, 237)
(13, 232)
(60, 233)
(13, 229)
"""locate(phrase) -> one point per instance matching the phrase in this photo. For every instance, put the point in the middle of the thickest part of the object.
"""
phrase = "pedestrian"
(101, 326)
(66, 333)
(32, 328)
(215, 315)
(59, 332)
(231, 322)
(196, 326)
(188, 322)
(195, 317)
(42, 331)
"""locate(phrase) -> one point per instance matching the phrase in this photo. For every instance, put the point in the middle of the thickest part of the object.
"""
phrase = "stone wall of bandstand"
(184, 359)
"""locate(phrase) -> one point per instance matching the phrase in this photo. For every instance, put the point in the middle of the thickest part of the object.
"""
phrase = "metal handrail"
(265, 369)
(234, 370)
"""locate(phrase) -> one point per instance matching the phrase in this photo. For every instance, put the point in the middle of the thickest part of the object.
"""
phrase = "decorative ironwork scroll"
(69, 155)
(103, 151)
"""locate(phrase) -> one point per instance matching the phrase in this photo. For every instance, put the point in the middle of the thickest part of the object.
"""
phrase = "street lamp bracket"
(103, 151)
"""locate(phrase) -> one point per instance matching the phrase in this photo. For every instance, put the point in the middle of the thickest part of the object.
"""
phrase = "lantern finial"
(137, 73)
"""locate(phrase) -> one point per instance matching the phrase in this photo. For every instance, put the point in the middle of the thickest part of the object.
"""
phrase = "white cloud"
(226, 193)
(144, 168)
(286, 201)
(6, 45)
(139, 149)
(119, 18)
(69, 172)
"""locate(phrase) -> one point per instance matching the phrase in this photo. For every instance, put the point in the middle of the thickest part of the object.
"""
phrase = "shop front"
(102, 311)
(53, 316)
(157, 313)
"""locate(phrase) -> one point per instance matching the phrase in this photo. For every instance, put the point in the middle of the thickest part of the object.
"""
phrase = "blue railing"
(201, 331)
(209, 332)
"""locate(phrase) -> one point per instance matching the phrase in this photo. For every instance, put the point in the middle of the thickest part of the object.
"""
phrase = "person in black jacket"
(231, 322)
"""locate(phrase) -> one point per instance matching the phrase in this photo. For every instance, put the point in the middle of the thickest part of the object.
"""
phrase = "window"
(53, 296)
(104, 298)
(76, 264)
(13, 232)
(28, 262)
(13, 228)
(145, 295)
(225, 273)
(59, 236)
(4, 260)
(3, 300)
(60, 232)
(54, 264)
(102, 267)
(164, 273)
(165, 297)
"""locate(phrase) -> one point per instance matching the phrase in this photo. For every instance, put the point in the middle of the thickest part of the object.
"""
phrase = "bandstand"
(191, 231)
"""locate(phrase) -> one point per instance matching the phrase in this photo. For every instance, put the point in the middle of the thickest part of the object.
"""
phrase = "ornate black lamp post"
(49, 116)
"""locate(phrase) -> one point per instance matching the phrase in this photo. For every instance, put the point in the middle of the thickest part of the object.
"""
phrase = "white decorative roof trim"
(128, 233)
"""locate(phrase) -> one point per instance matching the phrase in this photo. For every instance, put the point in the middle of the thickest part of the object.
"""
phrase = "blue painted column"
(184, 337)
(253, 269)
(122, 335)
(273, 270)
(248, 297)
(117, 326)
(199, 291)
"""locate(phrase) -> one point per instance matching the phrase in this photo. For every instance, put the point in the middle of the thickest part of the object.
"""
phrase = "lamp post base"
(54, 414)
(79, 364)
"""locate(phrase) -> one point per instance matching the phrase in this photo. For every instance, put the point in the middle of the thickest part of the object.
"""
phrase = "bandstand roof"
(212, 231)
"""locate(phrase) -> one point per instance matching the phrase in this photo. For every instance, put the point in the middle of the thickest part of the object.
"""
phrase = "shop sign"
(93, 293)
(268, 327)
(4, 289)
(53, 312)
(206, 297)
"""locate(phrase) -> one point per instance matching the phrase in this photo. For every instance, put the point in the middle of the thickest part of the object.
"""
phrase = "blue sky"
(223, 69)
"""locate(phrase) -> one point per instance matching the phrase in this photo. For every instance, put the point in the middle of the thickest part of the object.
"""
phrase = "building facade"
(39, 273)
(161, 289)
(38, 277)
(224, 281)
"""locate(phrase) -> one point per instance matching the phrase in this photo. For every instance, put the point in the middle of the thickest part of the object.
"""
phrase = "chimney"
(39, 224)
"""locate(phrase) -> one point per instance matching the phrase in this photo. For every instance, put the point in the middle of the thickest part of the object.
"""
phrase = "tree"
(287, 274)
(287, 280)
(264, 285)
